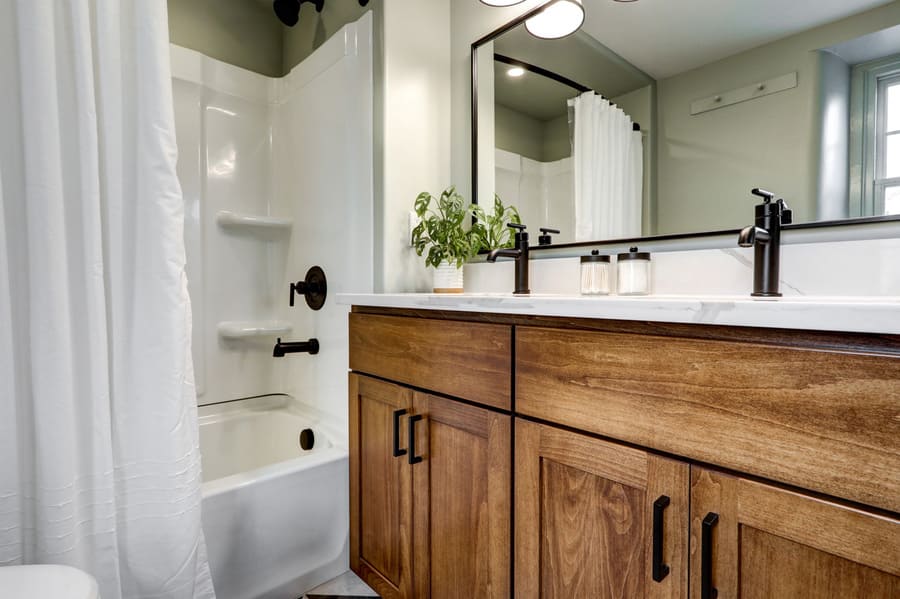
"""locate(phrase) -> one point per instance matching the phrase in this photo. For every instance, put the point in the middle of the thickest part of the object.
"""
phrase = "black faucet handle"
(544, 238)
(516, 226)
(787, 215)
(767, 196)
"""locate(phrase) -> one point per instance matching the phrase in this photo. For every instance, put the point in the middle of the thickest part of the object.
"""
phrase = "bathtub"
(275, 516)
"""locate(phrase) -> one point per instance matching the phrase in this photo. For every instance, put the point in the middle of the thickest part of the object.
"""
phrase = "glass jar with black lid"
(595, 274)
(633, 273)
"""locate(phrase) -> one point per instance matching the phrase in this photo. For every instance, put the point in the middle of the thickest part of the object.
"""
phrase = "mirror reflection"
(606, 134)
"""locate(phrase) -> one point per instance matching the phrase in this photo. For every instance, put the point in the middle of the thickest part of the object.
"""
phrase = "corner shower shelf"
(242, 329)
(253, 222)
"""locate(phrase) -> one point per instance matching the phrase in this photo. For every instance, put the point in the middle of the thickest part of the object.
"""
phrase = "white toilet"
(44, 582)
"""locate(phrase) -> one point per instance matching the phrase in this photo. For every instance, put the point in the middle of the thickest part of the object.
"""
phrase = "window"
(887, 146)
(875, 138)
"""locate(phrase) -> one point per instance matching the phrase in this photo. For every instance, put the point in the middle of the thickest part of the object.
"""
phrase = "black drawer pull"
(413, 458)
(397, 451)
(660, 569)
(707, 590)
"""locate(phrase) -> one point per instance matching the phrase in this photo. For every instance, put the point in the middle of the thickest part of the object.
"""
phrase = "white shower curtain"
(100, 464)
(608, 158)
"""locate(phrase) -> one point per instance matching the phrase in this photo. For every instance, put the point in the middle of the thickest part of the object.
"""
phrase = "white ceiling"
(667, 37)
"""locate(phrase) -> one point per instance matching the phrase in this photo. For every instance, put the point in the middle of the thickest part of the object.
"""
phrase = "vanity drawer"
(463, 359)
(823, 420)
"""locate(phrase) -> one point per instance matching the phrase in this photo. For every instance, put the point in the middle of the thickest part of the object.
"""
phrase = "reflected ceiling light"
(558, 19)
(515, 72)
(501, 2)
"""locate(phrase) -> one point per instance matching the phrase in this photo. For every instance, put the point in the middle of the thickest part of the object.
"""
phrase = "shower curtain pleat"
(607, 157)
(98, 412)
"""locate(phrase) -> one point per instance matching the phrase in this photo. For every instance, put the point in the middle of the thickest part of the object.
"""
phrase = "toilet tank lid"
(59, 582)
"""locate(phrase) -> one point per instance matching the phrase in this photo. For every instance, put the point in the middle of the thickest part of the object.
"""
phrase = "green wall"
(314, 28)
(246, 33)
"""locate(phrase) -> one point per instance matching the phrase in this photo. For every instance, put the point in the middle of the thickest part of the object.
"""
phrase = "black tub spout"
(290, 347)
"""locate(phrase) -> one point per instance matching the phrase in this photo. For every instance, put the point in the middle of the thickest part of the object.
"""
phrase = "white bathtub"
(275, 516)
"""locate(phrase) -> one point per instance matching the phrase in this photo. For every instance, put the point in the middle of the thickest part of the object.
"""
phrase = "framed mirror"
(705, 102)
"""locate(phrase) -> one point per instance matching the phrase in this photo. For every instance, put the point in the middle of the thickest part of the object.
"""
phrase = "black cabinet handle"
(413, 458)
(660, 570)
(397, 451)
(707, 590)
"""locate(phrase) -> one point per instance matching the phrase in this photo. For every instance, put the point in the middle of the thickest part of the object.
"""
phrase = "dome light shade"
(501, 2)
(558, 19)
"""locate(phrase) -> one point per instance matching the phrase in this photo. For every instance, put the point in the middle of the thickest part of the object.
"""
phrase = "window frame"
(882, 181)
(868, 137)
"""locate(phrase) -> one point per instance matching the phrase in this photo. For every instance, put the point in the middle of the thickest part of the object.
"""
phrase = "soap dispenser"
(633, 273)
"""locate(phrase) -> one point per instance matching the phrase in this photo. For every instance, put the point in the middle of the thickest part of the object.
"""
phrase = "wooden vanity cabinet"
(597, 519)
(461, 501)
(751, 540)
(430, 475)
(381, 509)
(646, 462)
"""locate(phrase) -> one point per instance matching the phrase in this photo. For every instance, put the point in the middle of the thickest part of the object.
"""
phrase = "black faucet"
(290, 347)
(765, 237)
(520, 253)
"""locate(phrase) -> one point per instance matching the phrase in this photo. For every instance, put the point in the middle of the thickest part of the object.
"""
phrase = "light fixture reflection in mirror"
(558, 19)
(515, 72)
(501, 2)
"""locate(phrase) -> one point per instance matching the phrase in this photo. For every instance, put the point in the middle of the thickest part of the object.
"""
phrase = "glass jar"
(633, 273)
(595, 271)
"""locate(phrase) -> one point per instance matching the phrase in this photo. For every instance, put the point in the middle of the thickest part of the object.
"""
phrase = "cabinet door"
(755, 541)
(584, 518)
(461, 491)
(380, 487)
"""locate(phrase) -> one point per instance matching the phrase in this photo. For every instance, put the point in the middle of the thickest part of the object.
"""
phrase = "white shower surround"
(543, 192)
(298, 147)
(297, 151)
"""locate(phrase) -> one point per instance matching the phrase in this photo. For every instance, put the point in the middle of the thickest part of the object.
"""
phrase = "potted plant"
(442, 231)
(490, 228)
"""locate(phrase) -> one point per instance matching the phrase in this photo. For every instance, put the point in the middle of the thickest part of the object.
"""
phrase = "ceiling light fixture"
(501, 2)
(558, 19)
(515, 72)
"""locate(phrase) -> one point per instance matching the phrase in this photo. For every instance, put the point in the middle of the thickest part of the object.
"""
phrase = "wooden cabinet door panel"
(380, 489)
(462, 501)
(771, 543)
(584, 514)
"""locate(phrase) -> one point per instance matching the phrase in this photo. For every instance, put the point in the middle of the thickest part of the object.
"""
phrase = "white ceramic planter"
(448, 279)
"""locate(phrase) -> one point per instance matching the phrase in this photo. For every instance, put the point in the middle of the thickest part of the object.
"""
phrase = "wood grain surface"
(825, 421)
(584, 517)
(467, 360)
(462, 503)
(773, 543)
(381, 515)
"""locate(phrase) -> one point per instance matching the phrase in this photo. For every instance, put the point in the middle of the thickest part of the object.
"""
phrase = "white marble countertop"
(848, 314)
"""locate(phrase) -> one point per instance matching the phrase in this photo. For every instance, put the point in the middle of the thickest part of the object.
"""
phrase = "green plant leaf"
(442, 229)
